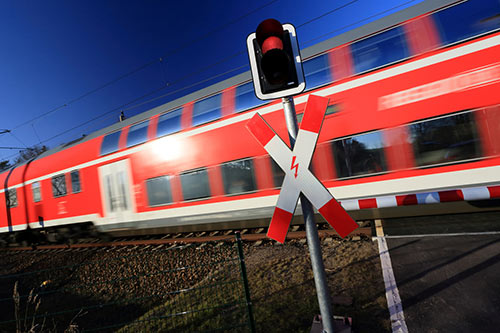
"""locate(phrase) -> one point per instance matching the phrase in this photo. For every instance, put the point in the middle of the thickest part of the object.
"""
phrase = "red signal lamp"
(275, 60)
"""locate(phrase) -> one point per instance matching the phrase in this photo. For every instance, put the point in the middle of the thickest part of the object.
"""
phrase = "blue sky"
(55, 52)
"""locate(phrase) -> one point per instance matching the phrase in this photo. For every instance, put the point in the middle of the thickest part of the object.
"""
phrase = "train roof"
(399, 17)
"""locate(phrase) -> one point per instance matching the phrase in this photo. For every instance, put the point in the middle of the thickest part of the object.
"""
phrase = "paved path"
(448, 282)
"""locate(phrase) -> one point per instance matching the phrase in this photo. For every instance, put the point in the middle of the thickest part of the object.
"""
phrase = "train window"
(207, 109)
(238, 176)
(359, 155)
(37, 193)
(331, 109)
(137, 134)
(317, 71)
(110, 143)
(110, 195)
(12, 198)
(195, 184)
(446, 139)
(159, 192)
(245, 97)
(278, 174)
(75, 181)
(169, 123)
(379, 50)
(59, 186)
(299, 117)
(467, 20)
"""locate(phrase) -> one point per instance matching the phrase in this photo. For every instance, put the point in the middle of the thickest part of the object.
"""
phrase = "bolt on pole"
(313, 243)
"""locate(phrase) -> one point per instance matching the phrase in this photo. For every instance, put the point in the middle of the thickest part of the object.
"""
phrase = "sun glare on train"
(167, 148)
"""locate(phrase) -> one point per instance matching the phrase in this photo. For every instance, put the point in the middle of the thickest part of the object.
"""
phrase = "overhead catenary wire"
(121, 77)
(161, 60)
(246, 66)
(327, 13)
(13, 148)
(360, 21)
(236, 54)
(142, 67)
(34, 130)
(15, 137)
(185, 87)
(123, 107)
(126, 106)
(88, 93)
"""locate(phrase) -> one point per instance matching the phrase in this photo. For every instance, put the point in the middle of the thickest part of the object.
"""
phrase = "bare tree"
(4, 165)
(29, 153)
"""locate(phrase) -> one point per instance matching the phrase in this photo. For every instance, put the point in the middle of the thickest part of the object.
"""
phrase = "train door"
(115, 188)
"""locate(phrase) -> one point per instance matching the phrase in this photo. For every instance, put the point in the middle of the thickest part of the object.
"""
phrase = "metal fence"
(188, 288)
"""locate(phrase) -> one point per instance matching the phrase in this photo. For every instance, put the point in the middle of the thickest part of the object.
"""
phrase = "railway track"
(256, 235)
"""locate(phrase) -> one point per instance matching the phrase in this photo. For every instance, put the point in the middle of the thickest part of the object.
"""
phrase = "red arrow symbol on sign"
(303, 181)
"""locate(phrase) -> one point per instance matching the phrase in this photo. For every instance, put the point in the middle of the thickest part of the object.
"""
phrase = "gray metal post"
(325, 305)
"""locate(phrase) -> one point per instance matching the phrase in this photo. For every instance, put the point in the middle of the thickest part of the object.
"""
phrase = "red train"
(414, 118)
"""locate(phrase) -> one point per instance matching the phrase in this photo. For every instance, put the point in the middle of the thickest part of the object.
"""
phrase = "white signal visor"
(296, 59)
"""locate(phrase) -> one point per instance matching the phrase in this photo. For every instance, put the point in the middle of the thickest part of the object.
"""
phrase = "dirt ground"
(283, 291)
(280, 278)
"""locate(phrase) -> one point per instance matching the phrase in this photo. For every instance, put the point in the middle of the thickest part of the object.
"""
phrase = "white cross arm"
(298, 177)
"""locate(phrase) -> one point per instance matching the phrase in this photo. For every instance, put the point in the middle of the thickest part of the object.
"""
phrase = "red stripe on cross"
(407, 200)
(303, 150)
(338, 218)
(279, 225)
(367, 203)
(314, 113)
(260, 129)
(494, 191)
(452, 195)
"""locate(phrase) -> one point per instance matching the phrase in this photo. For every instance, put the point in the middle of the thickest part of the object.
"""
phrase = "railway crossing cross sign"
(298, 178)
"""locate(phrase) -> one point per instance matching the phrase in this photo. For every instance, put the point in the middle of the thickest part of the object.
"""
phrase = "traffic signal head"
(275, 60)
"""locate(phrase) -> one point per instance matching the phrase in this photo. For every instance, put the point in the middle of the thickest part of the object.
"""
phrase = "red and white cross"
(298, 177)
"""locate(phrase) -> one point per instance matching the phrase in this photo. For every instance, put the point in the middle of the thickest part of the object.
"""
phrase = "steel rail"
(366, 231)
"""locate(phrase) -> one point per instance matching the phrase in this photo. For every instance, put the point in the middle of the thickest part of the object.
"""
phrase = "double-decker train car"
(414, 119)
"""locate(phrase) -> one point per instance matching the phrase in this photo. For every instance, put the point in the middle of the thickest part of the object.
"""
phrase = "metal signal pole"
(324, 299)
